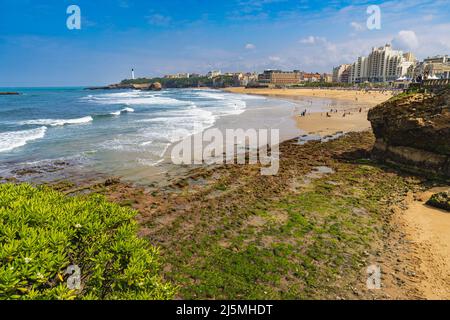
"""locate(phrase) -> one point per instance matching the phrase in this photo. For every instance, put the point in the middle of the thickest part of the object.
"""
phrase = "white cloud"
(274, 59)
(357, 26)
(313, 40)
(406, 40)
(159, 20)
(250, 46)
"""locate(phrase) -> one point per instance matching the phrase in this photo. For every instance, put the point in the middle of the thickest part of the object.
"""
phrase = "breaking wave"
(15, 139)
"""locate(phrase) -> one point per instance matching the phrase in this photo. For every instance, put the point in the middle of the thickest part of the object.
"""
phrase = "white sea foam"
(133, 98)
(125, 110)
(14, 139)
(173, 120)
(225, 104)
(149, 163)
(175, 125)
(57, 122)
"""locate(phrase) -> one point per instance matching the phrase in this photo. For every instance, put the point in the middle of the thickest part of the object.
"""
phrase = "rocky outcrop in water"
(9, 93)
(413, 131)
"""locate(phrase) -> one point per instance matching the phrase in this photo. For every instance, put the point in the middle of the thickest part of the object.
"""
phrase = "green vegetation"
(43, 232)
(220, 81)
(440, 200)
(401, 96)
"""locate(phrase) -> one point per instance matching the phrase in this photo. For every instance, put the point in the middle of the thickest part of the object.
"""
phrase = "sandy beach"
(350, 115)
(371, 97)
(327, 123)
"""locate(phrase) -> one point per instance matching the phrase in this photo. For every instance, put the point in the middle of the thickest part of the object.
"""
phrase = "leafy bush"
(43, 232)
(440, 200)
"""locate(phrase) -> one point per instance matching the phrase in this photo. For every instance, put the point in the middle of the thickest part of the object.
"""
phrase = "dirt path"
(429, 229)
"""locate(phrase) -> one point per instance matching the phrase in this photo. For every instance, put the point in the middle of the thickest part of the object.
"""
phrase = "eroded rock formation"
(413, 131)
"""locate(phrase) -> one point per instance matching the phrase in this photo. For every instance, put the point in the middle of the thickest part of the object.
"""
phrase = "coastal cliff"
(154, 86)
(413, 131)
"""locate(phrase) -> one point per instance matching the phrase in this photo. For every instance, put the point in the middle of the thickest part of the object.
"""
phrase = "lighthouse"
(132, 74)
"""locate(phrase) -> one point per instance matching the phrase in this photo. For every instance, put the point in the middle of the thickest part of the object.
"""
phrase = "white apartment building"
(214, 73)
(359, 71)
(382, 65)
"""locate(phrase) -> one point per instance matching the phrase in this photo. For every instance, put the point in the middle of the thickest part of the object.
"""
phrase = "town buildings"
(437, 67)
(278, 77)
(245, 79)
(326, 78)
(177, 76)
(214, 73)
(341, 73)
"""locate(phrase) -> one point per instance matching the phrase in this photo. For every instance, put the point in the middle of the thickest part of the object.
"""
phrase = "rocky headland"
(154, 86)
(413, 131)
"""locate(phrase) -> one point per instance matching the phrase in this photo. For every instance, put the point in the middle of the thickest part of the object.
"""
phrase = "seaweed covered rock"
(413, 131)
(440, 200)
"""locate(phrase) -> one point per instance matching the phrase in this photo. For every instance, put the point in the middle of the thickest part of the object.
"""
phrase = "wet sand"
(346, 112)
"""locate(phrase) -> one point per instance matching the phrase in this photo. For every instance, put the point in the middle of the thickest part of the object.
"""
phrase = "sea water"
(117, 131)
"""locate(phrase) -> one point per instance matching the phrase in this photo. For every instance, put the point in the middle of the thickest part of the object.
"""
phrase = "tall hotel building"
(382, 65)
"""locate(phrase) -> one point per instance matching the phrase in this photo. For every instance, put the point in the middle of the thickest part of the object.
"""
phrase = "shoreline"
(325, 191)
(278, 111)
(259, 113)
(349, 115)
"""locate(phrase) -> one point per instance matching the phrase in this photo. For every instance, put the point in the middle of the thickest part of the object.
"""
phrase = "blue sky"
(160, 37)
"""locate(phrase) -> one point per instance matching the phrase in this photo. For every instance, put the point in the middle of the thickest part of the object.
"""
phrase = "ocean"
(117, 132)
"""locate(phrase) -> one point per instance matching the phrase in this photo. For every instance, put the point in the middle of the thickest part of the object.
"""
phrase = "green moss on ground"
(248, 237)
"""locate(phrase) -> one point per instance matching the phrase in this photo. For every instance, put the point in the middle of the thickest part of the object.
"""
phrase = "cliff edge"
(413, 131)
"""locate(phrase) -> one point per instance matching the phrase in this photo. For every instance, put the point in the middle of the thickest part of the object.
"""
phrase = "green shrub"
(43, 232)
(440, 200)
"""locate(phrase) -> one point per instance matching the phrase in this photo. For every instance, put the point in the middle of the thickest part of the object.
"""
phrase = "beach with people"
(345, 110)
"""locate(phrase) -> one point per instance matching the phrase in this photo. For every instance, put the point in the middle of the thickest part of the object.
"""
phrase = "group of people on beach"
(328, 114)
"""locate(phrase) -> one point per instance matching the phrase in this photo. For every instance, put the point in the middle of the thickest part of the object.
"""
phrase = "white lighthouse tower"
(132, 74)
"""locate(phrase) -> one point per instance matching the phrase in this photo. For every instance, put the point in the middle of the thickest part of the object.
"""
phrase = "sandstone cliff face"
(414, 131)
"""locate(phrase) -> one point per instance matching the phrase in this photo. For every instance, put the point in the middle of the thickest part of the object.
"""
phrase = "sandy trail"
(429, 229)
